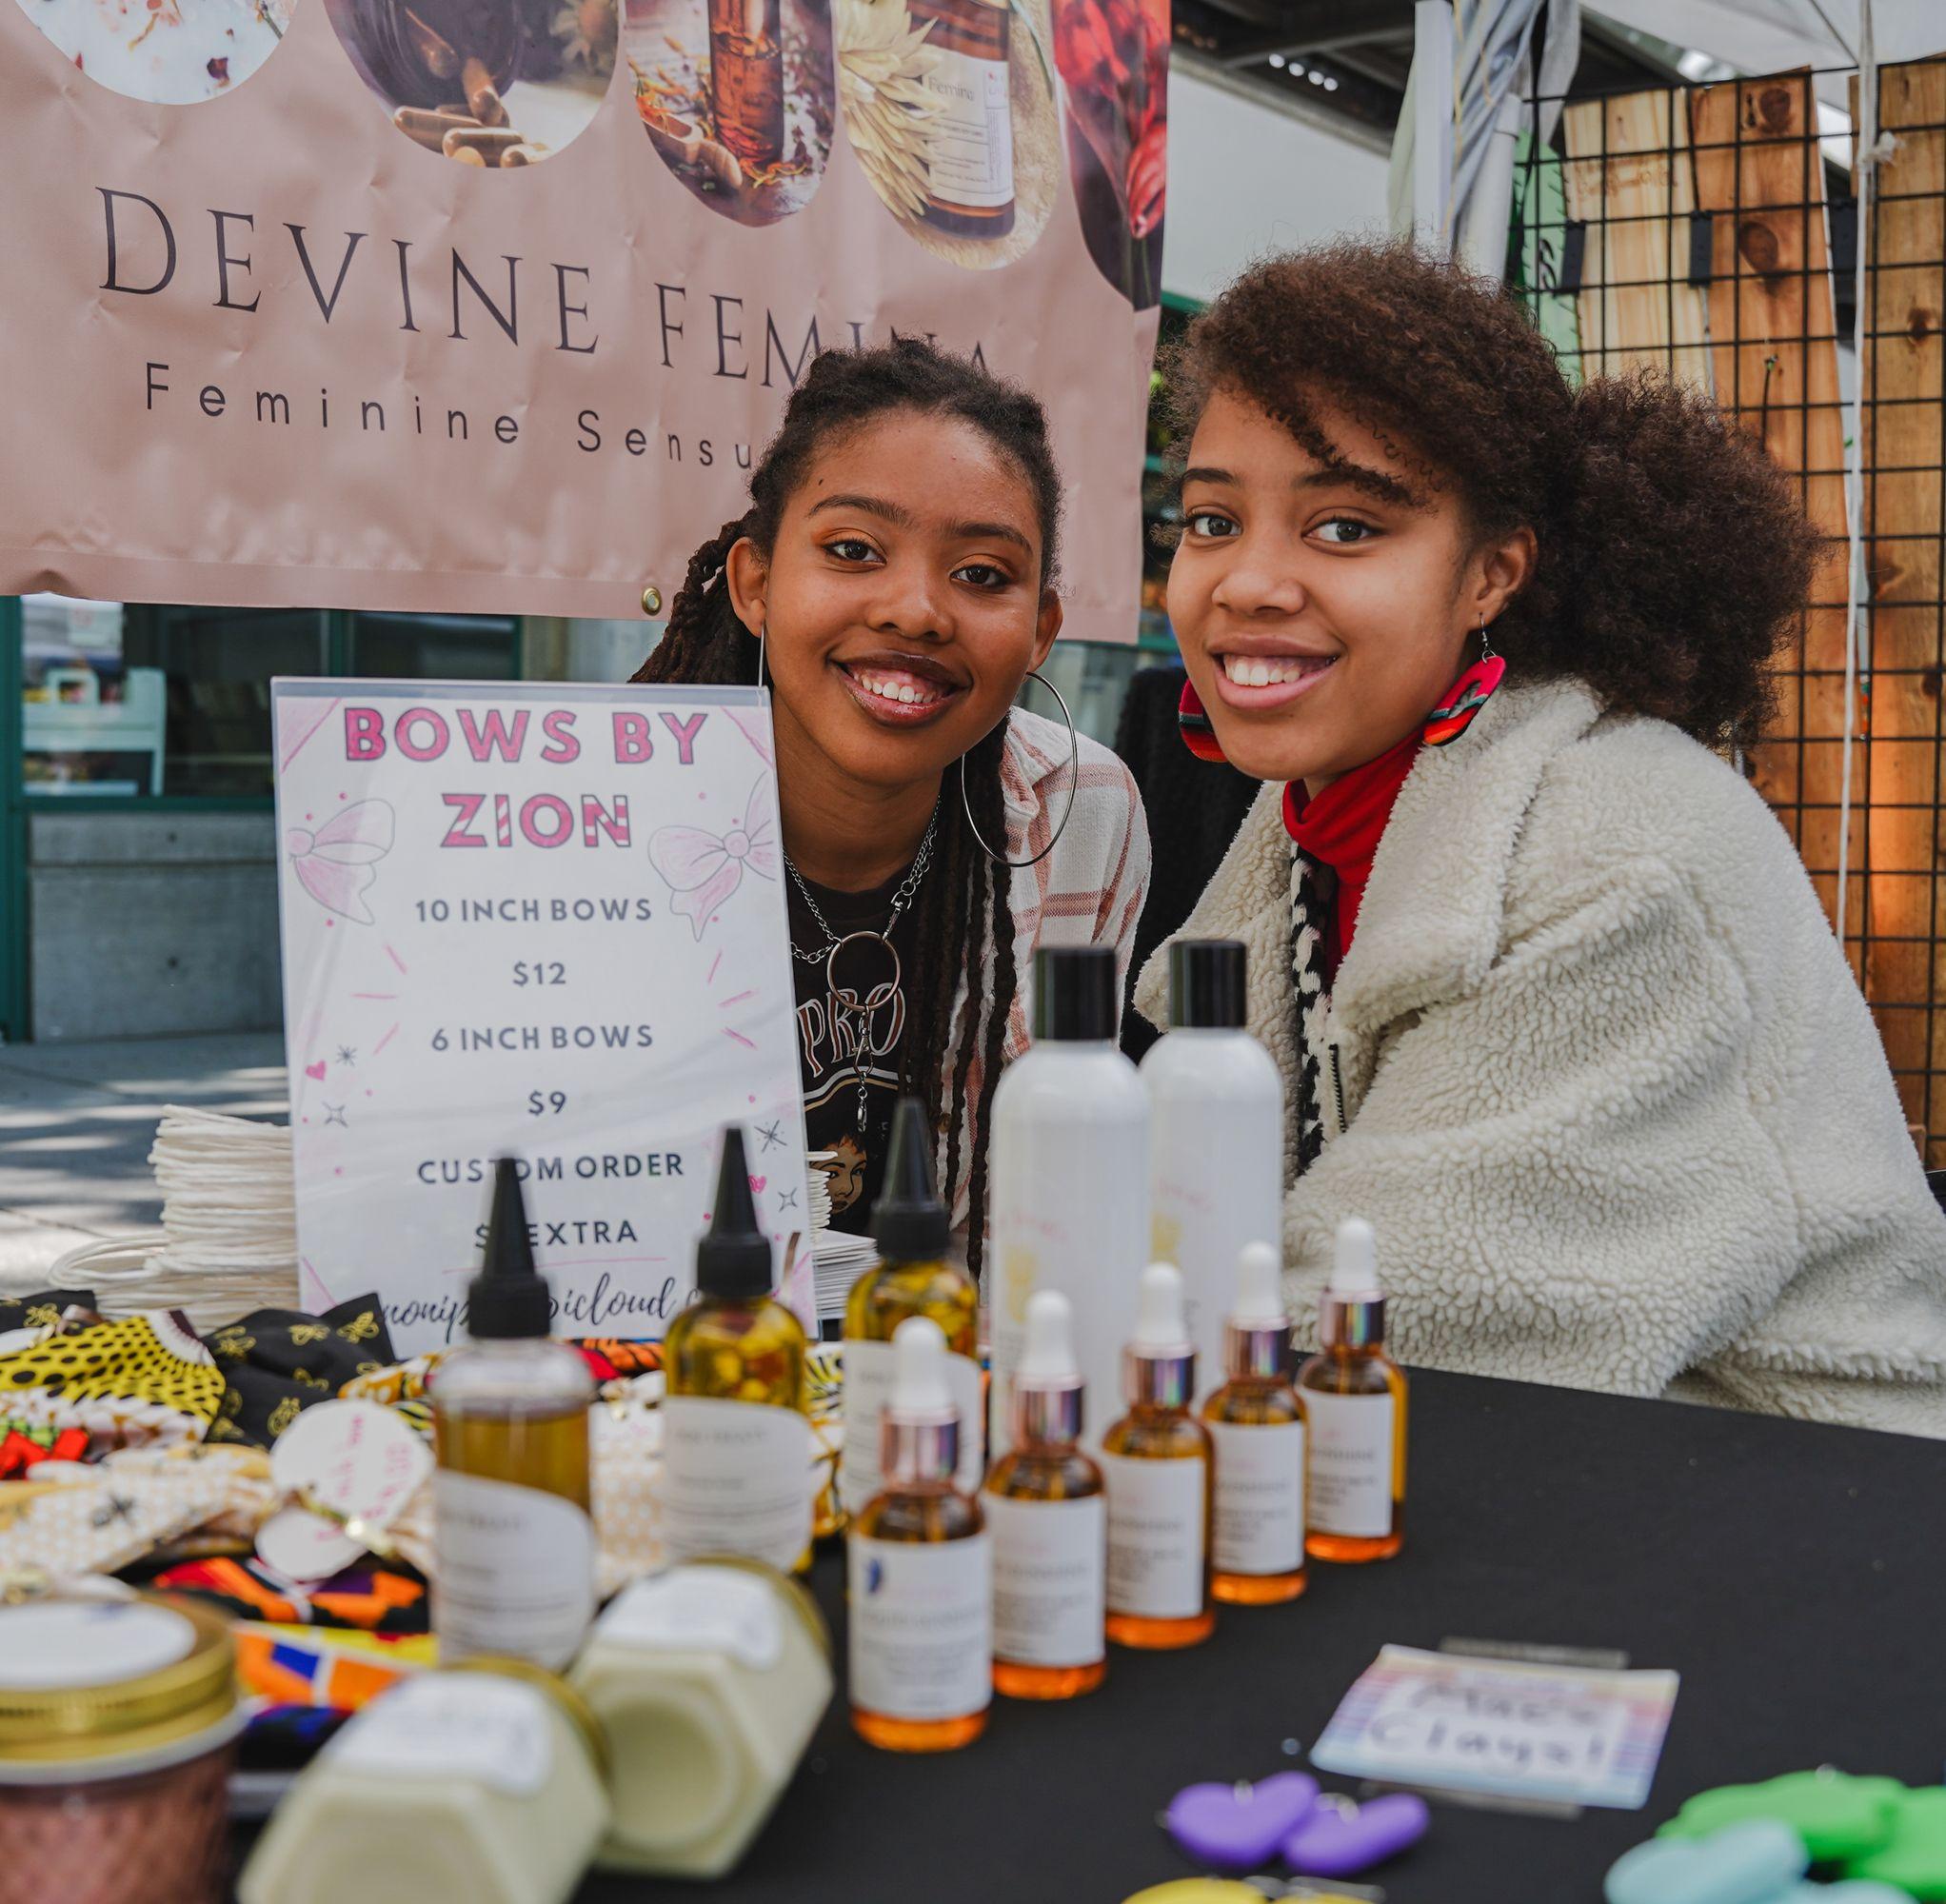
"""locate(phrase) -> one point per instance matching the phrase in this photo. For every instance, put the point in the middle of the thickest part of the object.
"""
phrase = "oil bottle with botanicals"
(1256, 1423)
(1354, 1397)
(1046, 1507)
(919, 1570)
(736, 1437)
(970, 147)
(515, 1548)
(913, 1277)
(1215, 1138)
(1070, 1179)
(1157, 1462)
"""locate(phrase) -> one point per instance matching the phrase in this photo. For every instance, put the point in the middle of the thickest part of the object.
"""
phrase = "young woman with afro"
(1555, 1001)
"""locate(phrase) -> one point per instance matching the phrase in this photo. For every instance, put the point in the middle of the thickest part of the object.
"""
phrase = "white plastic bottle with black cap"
(1069, 1170)
(515, 1547)
(1215, 1136)
(1354, 1397)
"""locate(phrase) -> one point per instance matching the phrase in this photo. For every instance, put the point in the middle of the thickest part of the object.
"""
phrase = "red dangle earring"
(1467, 695)
(1192, 719)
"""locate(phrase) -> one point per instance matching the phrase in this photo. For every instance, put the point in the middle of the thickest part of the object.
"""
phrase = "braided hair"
(965, 901)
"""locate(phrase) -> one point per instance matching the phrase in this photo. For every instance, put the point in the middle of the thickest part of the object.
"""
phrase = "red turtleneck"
(1341, 828)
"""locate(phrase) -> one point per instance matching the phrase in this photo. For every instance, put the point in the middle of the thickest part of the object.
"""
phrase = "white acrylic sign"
(545, 921)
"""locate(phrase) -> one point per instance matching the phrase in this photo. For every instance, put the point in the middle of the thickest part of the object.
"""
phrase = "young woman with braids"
(893, 579)
(1557, 1005)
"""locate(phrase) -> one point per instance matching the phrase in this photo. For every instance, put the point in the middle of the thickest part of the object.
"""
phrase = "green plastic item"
(1838, 1818)
(1915, 1860)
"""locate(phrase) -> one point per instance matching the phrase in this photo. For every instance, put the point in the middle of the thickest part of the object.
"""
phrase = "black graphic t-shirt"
(857, 1027)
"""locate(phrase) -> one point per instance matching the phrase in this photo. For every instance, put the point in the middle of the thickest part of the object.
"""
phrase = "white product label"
(972, 145)
(868, 1376)
(1156, 1526)
(921, 1626)
(1351, 1463)
(89, 1643)
(453, 1725)
(1259, 1497)
(736, 1480)
(701, 1610)
(1050, 1563)
(515, 1570)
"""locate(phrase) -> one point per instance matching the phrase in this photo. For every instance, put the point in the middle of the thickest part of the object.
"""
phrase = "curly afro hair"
(1673, 553)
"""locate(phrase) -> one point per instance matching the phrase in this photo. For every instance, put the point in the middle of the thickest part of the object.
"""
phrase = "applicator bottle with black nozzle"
(1258, 1426)
(913, 1276)
(1354, 1396)
(919, 1569)
(1157, 1461)
(736, 1437)
(1046, 1506)
(516, 1549)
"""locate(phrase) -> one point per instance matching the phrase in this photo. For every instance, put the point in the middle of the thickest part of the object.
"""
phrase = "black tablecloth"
(1794, 1575)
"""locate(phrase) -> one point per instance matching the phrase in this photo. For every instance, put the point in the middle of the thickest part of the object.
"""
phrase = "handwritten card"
(545, 921)
(1489, 1725)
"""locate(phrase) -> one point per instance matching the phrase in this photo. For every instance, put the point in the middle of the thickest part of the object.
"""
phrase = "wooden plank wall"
(1904, 445)
(1629, 180)
(1773, 343)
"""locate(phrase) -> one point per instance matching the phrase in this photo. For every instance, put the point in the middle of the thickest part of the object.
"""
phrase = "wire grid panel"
(1905, 528)
(1693, 240)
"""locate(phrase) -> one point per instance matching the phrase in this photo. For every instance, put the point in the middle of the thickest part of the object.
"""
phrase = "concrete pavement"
(76, 1123)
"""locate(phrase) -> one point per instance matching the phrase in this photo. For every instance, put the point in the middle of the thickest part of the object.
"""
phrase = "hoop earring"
(761, 639)
(1074, 756)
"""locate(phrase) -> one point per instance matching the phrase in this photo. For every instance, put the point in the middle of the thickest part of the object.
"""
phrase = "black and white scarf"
(1311, 902)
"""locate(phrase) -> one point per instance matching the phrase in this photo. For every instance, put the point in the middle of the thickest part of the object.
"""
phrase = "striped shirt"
(1088, 891)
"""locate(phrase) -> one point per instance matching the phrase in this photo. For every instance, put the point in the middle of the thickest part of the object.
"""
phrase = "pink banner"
(485, 305)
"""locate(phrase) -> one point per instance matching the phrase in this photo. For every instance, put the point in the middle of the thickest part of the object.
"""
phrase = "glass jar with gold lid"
(118, 1723)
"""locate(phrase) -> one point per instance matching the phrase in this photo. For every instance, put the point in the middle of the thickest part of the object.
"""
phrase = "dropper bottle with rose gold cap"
(1047, 1508)
(919, 1566)
(1258, 1426)
(1157, 1461)
(1354, 1396)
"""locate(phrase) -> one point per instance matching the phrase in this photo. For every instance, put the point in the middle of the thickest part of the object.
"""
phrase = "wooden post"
(1629, 179)
(1905, 443)
(1759, 172)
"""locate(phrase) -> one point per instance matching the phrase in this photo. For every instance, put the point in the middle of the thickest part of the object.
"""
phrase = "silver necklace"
(890, 992)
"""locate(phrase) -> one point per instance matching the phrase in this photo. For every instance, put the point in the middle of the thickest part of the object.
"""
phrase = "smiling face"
(1322, 610)
(902, 602)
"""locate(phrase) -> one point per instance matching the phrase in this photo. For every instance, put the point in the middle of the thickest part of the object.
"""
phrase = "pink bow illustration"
(701, 869)
(335, 864)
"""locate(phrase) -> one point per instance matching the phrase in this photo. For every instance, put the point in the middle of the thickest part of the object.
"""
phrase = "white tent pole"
(1432, 133)
(1854, 463)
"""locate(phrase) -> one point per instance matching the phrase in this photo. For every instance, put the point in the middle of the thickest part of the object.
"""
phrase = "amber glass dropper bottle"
(912, 1278)
(1048, 1509)
(919, 1569)
(1258, 1426)
(1354, 1397)
(515, 1546)
(1157, 1462)
(736, 1436)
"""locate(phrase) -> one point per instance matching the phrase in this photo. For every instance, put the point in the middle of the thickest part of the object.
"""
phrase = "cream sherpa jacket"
(1610, 1094)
